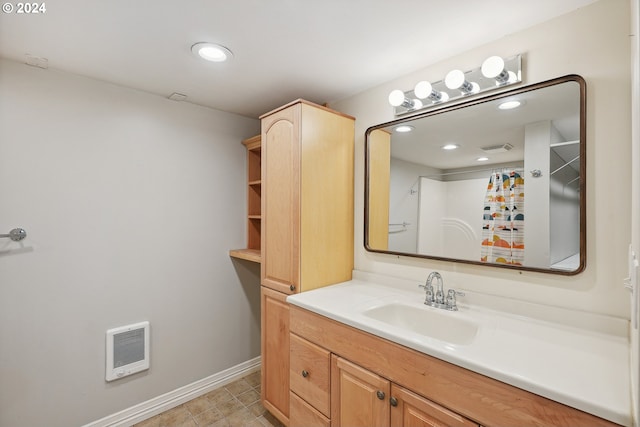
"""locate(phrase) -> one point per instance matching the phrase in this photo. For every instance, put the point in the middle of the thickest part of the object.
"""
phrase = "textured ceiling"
(320, 50)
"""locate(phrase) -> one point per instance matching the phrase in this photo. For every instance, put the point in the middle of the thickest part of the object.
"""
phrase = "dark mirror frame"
(457, 106)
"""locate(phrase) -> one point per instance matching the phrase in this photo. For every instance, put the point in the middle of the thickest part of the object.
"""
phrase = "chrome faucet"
(438, 300)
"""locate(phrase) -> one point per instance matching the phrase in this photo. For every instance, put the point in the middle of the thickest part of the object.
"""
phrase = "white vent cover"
(175, 96)
(127, 350)
(502, 148)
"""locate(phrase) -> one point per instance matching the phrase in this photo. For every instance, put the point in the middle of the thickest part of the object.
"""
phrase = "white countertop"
(582, 360)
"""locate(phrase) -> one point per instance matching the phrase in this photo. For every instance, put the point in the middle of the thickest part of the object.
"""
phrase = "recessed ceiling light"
(403, 128)
(211, 52)
(482, 159)
(509, 105)
(450, 146)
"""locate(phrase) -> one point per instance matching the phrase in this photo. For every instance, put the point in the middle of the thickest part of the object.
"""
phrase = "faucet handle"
(451, 299)
(428, 288)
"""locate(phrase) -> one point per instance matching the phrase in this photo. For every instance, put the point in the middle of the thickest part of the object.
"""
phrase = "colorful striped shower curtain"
(503, 219)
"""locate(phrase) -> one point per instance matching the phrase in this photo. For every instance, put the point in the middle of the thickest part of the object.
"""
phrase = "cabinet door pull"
(305, 374)
(292, 288)
(393, 401)
(380, 394)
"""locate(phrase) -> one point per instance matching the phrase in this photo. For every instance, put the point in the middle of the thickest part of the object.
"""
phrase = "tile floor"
(235, 405)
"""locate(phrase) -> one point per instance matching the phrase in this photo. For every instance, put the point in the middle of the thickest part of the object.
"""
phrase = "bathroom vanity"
(360, 356)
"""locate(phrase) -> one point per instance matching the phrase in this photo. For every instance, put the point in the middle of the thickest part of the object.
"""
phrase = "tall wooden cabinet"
(307, 224)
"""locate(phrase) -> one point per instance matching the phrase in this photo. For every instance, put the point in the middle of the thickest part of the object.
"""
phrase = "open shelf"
(254, 190)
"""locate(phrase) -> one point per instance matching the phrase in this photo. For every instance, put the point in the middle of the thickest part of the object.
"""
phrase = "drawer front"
(309, 373)
(304, 415)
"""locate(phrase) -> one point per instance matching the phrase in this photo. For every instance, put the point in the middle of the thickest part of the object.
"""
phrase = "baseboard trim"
(157, 405)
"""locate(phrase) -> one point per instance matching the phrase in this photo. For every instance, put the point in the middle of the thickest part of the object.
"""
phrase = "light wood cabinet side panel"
(275, 353)
(326, 197)
(304, 415)
(379, 185)
(280, 199)
(477, 397)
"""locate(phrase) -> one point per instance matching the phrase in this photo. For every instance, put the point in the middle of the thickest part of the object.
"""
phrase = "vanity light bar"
(495, 73)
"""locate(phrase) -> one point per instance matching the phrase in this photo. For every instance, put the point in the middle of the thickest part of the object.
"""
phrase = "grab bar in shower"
(16, 234)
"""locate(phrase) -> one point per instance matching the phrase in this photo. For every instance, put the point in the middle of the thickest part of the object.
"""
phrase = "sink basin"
(431, 322)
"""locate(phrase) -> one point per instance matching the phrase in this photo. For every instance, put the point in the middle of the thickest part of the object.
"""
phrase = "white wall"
(594, 43)
(450, 220)
(131, 202)
(403, 204)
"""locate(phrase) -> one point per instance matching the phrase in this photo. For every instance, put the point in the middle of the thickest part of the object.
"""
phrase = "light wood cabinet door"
(379, 177)
(359, 398)
(280, 268)
(275, 353)
(307, 197)
(411, 410)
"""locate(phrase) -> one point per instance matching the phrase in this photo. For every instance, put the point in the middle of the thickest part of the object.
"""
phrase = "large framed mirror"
(480, 183)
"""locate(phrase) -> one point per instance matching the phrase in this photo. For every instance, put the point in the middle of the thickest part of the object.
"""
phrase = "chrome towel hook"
(16, 234)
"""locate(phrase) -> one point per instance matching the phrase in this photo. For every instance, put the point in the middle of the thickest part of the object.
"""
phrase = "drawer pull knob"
(393, 401)
(305, 374)
(292, 288)
(380, 394)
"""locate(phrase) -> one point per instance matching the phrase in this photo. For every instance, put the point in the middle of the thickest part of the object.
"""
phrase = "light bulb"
(396, 98)
(423, 89)
(454, 79)
(492, 67)
(403, 128)
(509, 105)
(211, 52)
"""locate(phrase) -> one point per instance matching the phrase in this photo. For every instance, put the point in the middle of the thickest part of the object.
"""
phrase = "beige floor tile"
(189, 423)
(221, 423)
(257, 409)
(151, 422)
(248, 398)
(241, 418)
(175, 417)
(253, 379)
(238, 387)
(229, 407)
(209, 417)
(219, 396)
(235, 405)
(198, 405)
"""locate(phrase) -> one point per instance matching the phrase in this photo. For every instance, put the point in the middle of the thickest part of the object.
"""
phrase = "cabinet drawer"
(309, 373)
(304, 415)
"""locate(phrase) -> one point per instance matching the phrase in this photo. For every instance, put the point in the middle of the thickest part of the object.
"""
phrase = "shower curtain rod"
(518, 168)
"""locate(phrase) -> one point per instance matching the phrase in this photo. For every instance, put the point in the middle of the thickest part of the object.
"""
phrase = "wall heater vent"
(127, 350)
